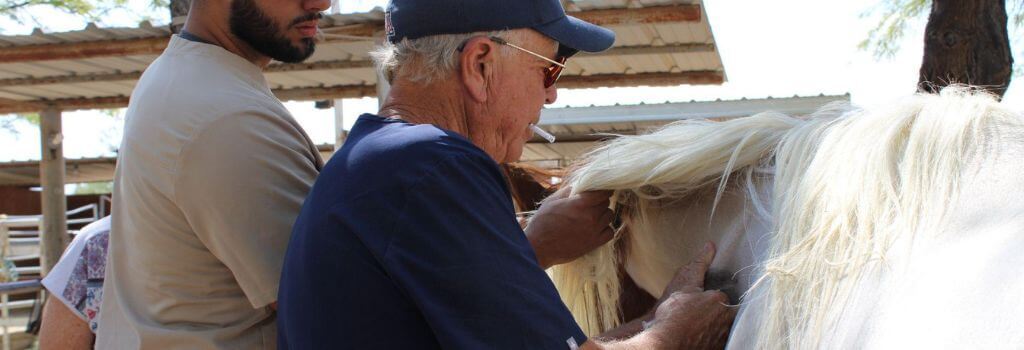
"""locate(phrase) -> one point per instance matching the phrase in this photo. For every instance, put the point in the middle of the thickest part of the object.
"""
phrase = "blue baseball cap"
(414, 19)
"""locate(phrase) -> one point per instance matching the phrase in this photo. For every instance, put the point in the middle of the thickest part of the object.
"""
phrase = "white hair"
(847, 183)
(428, 59)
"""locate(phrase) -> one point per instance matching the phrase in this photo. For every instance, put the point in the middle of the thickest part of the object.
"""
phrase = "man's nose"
(316, 5)
(550, 94)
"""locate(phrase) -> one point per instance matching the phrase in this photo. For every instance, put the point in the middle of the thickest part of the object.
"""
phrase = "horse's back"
(958, 287)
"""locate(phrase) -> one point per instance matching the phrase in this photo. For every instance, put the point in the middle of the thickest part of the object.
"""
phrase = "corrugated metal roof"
(670, 47)
(578, 129)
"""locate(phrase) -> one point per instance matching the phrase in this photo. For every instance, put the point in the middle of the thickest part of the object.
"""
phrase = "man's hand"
(687, 317)
(566, 227)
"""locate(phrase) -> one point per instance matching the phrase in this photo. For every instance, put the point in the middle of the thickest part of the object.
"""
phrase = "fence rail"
(22, 232)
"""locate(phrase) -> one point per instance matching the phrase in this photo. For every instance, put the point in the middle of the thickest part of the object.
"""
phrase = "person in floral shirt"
(75, 289)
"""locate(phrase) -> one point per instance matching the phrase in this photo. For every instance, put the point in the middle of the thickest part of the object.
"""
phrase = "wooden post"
(53, 231)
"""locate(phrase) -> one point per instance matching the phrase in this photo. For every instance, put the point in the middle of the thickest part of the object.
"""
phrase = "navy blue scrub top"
(408, 240)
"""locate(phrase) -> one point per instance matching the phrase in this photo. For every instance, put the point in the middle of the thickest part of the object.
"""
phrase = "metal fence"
(19, 268)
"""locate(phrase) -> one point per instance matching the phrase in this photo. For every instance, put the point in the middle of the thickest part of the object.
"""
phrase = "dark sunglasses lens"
(554, 72)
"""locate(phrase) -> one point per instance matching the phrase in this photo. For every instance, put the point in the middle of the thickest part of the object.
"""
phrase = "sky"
(769, 48)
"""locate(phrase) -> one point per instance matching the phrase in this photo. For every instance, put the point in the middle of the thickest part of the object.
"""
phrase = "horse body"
(874, 229)
(957, 287)
(737, 227)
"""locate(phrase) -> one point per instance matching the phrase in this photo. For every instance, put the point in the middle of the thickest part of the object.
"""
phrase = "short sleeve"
(77, 277)
(460, 254)
(67, 281)
(240, 184)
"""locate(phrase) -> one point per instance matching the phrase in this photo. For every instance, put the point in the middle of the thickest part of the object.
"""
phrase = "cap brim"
(578, 34)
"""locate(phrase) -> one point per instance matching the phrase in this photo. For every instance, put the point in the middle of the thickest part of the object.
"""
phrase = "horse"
(529, 184)
(895, 225)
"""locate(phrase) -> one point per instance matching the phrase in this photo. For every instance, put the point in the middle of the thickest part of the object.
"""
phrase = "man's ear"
(476, 66)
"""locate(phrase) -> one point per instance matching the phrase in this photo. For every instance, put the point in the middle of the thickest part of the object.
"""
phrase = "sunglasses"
(551, 73)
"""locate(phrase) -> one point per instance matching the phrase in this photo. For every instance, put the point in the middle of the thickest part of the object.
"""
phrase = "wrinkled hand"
(566, 227)
(687, 317)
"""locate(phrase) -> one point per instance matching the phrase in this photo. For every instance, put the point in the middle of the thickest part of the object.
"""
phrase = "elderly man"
(408, 239)
(211, 175)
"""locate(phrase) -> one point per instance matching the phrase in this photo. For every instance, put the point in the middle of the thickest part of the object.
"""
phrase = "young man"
(210, 177)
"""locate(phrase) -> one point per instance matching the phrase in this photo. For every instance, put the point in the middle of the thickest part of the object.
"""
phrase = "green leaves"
(884, 39)
(12, 8)
(91, 10)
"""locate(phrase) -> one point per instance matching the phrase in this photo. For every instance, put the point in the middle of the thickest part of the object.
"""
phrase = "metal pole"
(3, 297)
(4, 237)
(6, 313)
(53, 231)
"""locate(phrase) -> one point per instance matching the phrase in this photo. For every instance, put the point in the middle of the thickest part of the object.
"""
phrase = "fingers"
(595, 198)
(606, 217)
(606, 235)
(717, 297)
(693, 274)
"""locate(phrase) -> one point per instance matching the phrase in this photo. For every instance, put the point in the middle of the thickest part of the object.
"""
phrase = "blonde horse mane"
(847, 182)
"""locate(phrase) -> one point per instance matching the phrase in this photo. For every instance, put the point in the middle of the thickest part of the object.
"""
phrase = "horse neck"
(665, 235)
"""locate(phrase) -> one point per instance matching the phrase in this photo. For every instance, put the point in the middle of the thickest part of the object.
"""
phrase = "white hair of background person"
(428, 59)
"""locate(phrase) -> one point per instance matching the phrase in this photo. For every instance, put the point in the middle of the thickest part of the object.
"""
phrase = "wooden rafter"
(340, 64)
(126, 76)
(355, 91)
(154, 46)
(130, 47)
(653, 50)
(654, 14)
(641, 79)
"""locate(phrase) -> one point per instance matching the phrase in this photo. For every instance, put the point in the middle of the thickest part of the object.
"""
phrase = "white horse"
(901, 225)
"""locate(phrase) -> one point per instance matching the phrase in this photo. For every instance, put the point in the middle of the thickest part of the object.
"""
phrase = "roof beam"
(326, 93)
(130, 47)
(652, 50)
(12, 178)
(66, 104)
(641, 79)
(70, 79)
(644, 15)
(339, 64)
(69, 104)
(356, 91)
(100, 77)
(322, 65)
(154, 46)
(47, 52)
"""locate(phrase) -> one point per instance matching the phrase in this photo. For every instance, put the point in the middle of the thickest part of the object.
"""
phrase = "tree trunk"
(966, 42)
(179, 11)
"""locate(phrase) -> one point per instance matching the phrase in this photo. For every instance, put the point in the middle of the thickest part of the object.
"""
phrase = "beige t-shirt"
(210, 177)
